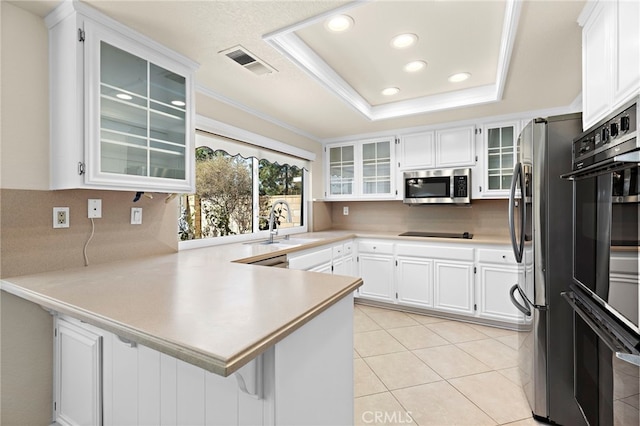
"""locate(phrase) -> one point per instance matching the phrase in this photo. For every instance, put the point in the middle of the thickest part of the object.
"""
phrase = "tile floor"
(418, 369)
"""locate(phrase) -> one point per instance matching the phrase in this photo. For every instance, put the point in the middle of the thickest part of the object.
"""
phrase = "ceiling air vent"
(248, 60)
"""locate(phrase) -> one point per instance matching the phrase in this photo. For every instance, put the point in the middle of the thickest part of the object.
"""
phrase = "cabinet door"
(596, 64)
(493, 293)
(417, 151)
(325, 268)
(377, 275)
(415, 281)
(376, 165)
(453, 287)
(626, 54)
(500, 157)
(341, 170)
(78, 378)
(455, 147)
(138, 122)
(131, 383)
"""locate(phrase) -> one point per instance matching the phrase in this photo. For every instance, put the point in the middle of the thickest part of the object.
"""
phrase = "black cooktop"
(464, 235)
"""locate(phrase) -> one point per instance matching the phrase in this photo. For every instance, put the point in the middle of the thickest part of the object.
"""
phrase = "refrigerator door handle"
(524, 310)
(518, 246)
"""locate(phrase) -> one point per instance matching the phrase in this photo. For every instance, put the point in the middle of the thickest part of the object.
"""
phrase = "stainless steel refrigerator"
(540, 222)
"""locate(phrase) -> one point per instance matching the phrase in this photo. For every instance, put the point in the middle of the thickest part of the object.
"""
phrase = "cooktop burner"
(464, 235)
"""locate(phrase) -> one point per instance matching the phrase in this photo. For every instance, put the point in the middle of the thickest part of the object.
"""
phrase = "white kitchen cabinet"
(363, 170)
(453, 287)
(343, 259)
(376, 265)
(77, 374)
(492, 177)
(336, 259)
(416, 151)
(453, 281)
(414, 279)
(497, 272)
(610, 57)
(311, 259)
(455, 147)
(121, 107)
(444, 148)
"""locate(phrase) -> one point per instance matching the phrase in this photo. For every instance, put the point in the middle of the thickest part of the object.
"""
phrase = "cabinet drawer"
(348, 248)
(435, 252)
(496, 256)
(375, 247)
(309, 260)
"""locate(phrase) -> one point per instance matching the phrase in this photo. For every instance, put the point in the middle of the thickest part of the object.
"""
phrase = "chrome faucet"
(272, 218)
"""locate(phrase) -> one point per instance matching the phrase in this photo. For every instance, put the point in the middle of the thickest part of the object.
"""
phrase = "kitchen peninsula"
(223, 342)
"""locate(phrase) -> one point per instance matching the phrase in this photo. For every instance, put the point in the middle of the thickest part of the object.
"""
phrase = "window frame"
(222, 129)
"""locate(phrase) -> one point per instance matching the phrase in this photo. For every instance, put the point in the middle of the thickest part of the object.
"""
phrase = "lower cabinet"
(102, 379)
(465, 280)
(376, 265)
(416, 277)
(77, 374)
(453, 287)
(336, 259)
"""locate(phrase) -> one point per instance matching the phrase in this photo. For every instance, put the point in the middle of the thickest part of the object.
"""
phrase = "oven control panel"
(613, 136)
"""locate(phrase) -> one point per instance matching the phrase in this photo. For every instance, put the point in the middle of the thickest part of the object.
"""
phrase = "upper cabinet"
(492, 177)
(121, 107)
(444, 148)
(361, 170)
(610, 57)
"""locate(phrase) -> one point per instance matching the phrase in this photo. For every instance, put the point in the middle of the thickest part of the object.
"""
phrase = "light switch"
(136, 215)
(345, 210)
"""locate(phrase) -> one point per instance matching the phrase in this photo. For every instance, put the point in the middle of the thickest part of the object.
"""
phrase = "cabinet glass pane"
(376, 167)
(341, 170)
(123, 70)
(142, 117)
(167, 87)
(500, 157)
(335, 155)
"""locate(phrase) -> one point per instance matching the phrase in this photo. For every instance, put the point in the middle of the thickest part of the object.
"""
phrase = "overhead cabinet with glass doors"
(121, 106)
(361, 170)
(499, 151)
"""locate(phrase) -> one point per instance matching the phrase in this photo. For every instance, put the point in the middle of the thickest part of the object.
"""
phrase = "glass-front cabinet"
(499, 158)
(360, 170)
(130, 107)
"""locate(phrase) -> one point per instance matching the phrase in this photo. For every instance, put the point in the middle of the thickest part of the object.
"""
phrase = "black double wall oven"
(605, 294)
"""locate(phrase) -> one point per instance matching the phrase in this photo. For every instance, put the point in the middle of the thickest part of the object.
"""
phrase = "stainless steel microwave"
(444, 186)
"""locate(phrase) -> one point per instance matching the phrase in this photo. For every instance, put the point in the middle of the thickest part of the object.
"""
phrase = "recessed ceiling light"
(457, 78)
(124, 96)
(390, 91)
(178, 103)
(415, 66)
(339, 23)
(403, 41)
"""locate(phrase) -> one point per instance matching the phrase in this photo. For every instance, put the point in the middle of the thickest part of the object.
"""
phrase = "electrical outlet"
(94, 209)
(136, 215)
(61, 217)
(345, 210)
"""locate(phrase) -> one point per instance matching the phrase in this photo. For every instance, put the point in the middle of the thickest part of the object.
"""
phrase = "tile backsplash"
(29, 243)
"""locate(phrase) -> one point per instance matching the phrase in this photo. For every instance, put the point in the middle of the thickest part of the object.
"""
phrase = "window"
(236, 186)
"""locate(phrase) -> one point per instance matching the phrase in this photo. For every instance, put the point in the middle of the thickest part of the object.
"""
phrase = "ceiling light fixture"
(124, 96)
(339, 23)
(457, 78)
(390, 91)
(178, 103)
(403, 41)
(415, 66)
